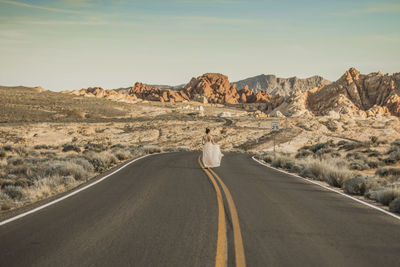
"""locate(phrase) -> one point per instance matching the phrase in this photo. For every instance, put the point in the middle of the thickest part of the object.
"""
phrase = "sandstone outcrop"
(215, 87)
(358, 94)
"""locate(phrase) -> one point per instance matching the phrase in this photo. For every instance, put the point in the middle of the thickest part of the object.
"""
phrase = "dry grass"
(28, 176)
(316, 162)
(384, 195)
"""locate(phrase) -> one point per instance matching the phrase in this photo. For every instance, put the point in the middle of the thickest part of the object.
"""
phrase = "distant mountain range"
(281, 86)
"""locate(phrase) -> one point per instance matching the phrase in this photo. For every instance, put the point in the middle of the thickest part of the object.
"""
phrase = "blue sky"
(72, 44)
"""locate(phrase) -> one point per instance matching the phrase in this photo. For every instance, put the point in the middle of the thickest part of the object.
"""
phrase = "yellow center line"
(221, 257)
(237, 235)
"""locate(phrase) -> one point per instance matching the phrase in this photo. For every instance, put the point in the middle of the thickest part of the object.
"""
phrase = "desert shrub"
(48, 154)
(318, 146)
(355, 155)
(323, 151)
(52, 181)
(97, 161)
(87, 166)
(351, 145)
(151, 149)
(358, 165)
(383, 195)
(383, 172)
(122, 154)
(355, 186)
(109, 158)
(302, 153)
(288, 165)
(71, 147)
(23, 169)
(335, 154)
(66, 168)
(268, 158)
(396, 142)
(14, 192)
(15, 161)
(4, 196)
(23, 182)
(279, 161)
(393, 156)
(374, 154)
(313, 169)
(6, 182)
(68, 180)
(120, 146)
(7, 148)
(21, 151)
(101, 161)
(332, 171)
(33, 153)
(95, 147)
(373, 164)
(41, 147)
(395, 205)
(336, 177)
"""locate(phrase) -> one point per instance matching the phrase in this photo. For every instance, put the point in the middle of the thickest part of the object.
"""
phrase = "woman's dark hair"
(207, 130)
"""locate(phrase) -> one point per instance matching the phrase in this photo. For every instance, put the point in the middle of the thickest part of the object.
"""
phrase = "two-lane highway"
(164, 210)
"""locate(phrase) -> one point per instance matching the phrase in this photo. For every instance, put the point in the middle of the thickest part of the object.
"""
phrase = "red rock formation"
(155, 94)
(215, 87)
(355, 93)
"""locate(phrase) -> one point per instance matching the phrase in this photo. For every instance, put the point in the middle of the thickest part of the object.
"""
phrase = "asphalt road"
(163, 210)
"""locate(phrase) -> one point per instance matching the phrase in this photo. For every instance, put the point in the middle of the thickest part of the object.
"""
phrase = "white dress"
(211, 153)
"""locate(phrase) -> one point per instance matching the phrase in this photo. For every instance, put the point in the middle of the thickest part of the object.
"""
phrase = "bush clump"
(302, 153)
(122, 154)
(71, 147)
(337, 177)
(383, 195)
(268, 158)
(3, 154)
(384, 172)
(358, 165)
(66, 168)
(41, 147)
(355, 186)
(14, 192)
(395, 205)
(101, 161)
(7, 148)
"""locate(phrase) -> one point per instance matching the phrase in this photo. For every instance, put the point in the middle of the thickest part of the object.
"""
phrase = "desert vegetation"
(31, 174)
(348, 165)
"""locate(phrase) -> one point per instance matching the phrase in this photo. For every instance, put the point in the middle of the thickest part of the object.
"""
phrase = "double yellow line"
(221, 256)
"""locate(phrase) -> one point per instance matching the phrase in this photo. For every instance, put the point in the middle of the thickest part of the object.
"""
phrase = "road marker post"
(274, 128)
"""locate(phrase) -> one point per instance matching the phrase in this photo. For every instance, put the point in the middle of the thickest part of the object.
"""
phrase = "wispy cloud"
(67, 22)
(372, 8)
(47, 8)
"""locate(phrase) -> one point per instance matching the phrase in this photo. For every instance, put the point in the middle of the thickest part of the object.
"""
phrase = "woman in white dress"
(211, 153)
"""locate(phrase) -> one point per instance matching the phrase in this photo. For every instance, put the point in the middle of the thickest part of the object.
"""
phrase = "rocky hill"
(353, 94)
(282, 86)
(208, 88)
(358, 94)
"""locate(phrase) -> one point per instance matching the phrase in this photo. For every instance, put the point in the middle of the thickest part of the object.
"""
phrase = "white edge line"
(330, 189)
(73, 193)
